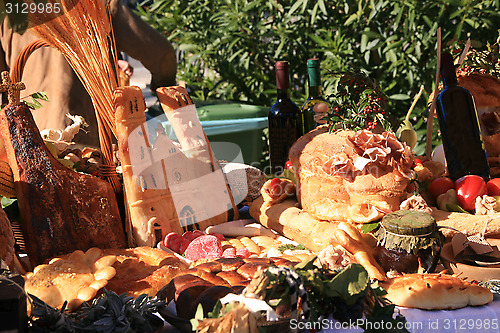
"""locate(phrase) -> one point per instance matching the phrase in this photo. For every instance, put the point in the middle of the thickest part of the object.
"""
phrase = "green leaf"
(40, 95)
(369, 227)
(216, 312)
(456, 208)
(400, 97)
(352, 282)
(6, 202)
(295, 6)
(285, 247)
(351, 19)
(305, 265)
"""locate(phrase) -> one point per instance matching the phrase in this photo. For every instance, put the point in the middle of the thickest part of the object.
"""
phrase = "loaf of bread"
(294, 223)
(7, 241)
(486, 92)
(74, 278)
(143, 270)
(434, 292)
(168, 189)
(467, 224)
(484, 88)
(208, 282)
(351, 176)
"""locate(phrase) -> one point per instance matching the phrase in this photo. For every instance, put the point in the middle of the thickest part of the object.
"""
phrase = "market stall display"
(343, 221)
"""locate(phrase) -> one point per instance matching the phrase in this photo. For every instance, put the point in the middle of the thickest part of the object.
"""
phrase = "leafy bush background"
(227, 49)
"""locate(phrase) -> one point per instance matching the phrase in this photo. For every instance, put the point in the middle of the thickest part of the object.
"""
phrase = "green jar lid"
(409, 223)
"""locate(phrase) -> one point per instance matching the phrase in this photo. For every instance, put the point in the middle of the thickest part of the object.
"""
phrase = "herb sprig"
(108, 313)
(358, 102)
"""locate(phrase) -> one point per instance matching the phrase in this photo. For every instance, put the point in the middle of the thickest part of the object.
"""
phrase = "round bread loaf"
(486, 92)
(484, 88)
(351, 176)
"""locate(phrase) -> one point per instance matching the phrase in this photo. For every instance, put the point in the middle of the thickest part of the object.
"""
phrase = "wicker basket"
(108, 169)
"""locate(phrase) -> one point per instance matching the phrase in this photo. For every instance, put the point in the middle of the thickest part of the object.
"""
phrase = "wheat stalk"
(84, 35)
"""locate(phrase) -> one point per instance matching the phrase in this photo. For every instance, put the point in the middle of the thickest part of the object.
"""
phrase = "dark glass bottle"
(459, 124)
(283, 120)
(316, 107)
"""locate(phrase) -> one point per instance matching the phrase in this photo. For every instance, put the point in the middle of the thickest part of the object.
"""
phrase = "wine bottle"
(283, 120)
(459, 125)
(315, 108)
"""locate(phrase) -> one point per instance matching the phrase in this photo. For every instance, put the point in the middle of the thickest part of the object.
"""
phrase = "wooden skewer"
(430, 118)
(464, 52)
(415, 100)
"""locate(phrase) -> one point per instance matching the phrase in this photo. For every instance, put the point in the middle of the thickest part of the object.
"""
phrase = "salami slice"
(206, 246)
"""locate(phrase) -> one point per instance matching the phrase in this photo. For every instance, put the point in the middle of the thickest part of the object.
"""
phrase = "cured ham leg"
(168, 189)
(61, 210)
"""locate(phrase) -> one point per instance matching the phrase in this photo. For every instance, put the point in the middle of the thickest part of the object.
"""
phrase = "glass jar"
(406, 238)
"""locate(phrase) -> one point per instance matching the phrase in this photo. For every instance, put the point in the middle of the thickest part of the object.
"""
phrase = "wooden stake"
(430, 118)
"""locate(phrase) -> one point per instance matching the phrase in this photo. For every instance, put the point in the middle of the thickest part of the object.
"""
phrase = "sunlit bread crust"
(330, 193)
(484, 88)
(435, 292)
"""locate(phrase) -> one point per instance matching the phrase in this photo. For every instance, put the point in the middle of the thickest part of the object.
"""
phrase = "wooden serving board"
(471, 272)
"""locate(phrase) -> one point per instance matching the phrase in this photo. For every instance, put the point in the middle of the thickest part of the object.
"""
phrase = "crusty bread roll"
(142, 270)
(467, 224)
(351, 176)
(314, 234)
(7, 241)
(292, 222)
(434, 292)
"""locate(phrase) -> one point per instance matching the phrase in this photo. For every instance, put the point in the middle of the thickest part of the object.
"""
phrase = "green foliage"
(358, 102)
(108, 313)
(35, 100)
(228, 48)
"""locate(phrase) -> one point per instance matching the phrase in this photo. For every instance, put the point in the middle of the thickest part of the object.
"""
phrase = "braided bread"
(207, 282)
(435, 291)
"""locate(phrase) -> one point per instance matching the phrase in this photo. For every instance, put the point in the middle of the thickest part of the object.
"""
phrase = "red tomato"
(288, 165)
(468, 189)
(439, 186)
(276, 189)
(493, 187)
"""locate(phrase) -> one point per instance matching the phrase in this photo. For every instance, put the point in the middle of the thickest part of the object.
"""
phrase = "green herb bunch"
(358, 102)
(345, 295)
(108, 313)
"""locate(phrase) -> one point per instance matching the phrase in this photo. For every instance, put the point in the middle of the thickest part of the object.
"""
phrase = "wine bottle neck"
(450, 81)
(448, 73)
(283, 93)
(314, 91)
(282, 76)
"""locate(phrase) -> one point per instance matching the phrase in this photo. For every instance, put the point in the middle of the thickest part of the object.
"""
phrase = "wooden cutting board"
(471, 272)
